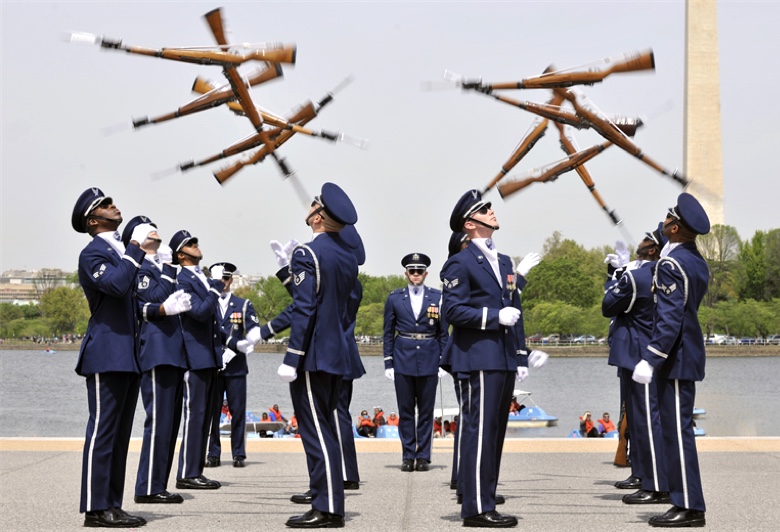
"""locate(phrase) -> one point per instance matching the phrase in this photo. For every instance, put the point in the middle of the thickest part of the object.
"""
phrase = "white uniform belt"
(416, 336)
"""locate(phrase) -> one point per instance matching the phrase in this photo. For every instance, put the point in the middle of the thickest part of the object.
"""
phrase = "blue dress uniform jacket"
(677, 352)
(203, 336)
(317, 338)
(163, 363)
(414, 356)
(243, 311)
(677, 345)
(108, 281)
(472, 300)
(108, 360)
(324, 275)
(629, 301)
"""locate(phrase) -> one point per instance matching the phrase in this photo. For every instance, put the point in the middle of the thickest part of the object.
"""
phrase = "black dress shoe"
(631, 483)
(302, 498)
(351, 485)
(197, 483)
(238, 462)
(407, 465)
(164, 497)
(112, 519)
(499, 499)
(422, 465)
(316, 519)
(647, 497)
(491, 520)
(679, 518)
(453, 484)
(212, 461)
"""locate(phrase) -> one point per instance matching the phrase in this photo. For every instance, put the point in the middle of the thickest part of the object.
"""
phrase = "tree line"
(563, 294)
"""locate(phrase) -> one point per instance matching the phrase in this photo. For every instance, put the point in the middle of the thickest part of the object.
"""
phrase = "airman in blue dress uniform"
(324, 272)
(108, 358)
(203, 339)
(238, 322)
(676, 357)
(628, 299)
(414, 339)
(487, 352)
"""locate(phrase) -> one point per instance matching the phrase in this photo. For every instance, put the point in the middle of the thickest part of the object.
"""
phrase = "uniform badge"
(236, 318)
(298, 278)
(433, 312)
(254, 319)
(616, 290)
(450, 284)
(510, 282)
(100, 271)
(668, 289)
(143, 283)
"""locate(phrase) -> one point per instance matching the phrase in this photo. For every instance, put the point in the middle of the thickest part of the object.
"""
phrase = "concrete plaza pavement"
(549, 484)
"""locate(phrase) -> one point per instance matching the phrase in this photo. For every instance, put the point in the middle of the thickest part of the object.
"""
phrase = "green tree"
(64, 308)
(720, 248)
(376, 289)
(753, 268)
(370, 320)
(561, 280)
(10, 312)
(554, 317)
(269, 297)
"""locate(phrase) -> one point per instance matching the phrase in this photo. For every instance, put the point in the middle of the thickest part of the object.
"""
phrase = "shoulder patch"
(667, 289)
(450, 284)
(143, 283)
(100, 271)
(298, 278)
(254, 319)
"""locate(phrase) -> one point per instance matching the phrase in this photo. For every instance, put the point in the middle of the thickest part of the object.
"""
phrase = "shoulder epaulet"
(397, 291)
(434, 290)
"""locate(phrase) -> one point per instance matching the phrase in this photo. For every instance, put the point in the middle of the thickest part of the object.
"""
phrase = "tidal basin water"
(42, 396)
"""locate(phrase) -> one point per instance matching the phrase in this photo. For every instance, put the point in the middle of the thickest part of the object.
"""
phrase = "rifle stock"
(621, 455)
(553, 172)
(535, 132)
(630, 62)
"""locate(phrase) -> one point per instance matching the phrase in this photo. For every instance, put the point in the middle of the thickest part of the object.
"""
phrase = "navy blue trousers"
(315, 396)
(198, 398)
(112, 398)
(349, 464)
(644, 426)
(485, 414)
(420, 392)
(161, 391)
(235, 390)
(682, 460)
(456, 447)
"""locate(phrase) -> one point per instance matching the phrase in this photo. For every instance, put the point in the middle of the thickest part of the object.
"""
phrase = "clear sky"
(426, 148)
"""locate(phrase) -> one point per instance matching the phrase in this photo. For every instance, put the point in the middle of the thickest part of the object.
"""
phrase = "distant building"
(22, 287)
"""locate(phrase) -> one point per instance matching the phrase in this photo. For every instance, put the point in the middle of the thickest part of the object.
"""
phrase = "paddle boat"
(530, 416)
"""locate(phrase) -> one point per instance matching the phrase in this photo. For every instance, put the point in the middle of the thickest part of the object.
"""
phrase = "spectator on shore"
(365, 427)
(606, 423)
(587, 427)
(392, 419)
(379, 417)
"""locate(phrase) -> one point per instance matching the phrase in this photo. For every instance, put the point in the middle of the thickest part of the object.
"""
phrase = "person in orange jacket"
(392, 419)
(607, 423)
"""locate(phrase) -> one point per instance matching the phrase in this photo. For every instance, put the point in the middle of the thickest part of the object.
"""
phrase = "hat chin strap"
(93, 217)
(493, 227)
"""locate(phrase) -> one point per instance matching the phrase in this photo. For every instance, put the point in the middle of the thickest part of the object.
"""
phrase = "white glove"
(442, 373)
(165, 253)
(245, 346)
(528, 262)
(253, 336)
(621, 248)
(176, 303)
(537, 358)
(643, 373)
(279, 254)
(613, 260)
(390, 374)
(287, 373)
(141, 232)
(289, 247)
(522, 373)
(227, 355)
(508, 316)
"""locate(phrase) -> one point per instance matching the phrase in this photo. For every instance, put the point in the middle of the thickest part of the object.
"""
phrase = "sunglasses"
(227, 277)
(416, 271)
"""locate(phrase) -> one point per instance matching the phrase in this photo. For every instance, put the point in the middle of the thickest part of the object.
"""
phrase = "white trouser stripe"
(92, 442)
(652, 441)
(317, 427)
(479, 438)
(460, 422)
(187, 414)
(680, 441)
(154, 433)
(341, 444)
